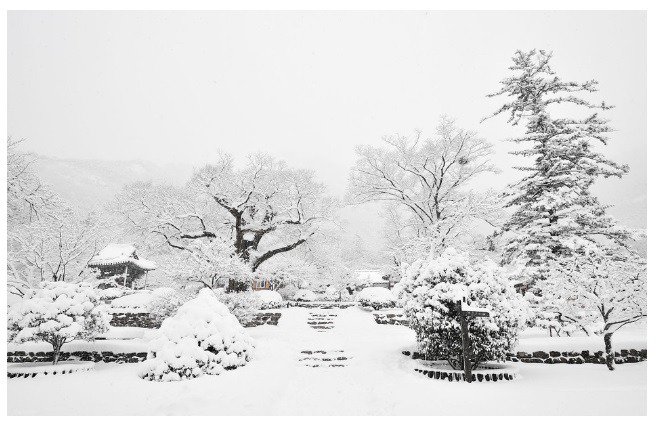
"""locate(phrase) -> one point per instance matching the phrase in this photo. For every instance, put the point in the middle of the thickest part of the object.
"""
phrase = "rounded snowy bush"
(112, 293)
(331, 293)
(376, 298)
(269, 299)
(304, 295)
(57, 312)
(203, 337)
(430, 292)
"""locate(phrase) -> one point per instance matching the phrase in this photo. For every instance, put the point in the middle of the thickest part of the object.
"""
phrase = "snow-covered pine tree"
(554, 208)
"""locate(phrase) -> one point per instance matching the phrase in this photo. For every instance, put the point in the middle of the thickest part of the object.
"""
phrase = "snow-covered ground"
(375, 379)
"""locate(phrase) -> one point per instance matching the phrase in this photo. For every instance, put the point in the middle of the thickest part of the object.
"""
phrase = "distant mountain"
(90, 183)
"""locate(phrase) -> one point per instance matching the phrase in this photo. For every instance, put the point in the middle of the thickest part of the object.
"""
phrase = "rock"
(541, 354)
(555, 354)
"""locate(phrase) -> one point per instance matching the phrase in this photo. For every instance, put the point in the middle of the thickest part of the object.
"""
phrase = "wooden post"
(464, 313)
(125, 278)
(465, 341)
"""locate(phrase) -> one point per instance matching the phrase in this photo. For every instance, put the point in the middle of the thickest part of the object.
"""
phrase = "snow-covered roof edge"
(120, 254)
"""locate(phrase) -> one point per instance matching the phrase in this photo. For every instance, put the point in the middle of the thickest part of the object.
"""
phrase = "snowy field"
(374, 378)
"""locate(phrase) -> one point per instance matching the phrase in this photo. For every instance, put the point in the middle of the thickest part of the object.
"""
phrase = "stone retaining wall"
(555, 357)
(583, 357)
(119, 358)
(146, 320)
(134, 319)
(261, 318)
(324, 305)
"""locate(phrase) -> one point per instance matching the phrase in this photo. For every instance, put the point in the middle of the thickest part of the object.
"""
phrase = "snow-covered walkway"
(375, 379)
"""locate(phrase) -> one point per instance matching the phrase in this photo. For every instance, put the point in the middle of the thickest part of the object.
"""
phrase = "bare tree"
(52, 248)
(27, 197)
(425, 178)
(265, 208)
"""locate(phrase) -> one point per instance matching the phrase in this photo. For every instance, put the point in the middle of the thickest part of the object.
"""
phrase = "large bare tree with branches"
(262, 209)
(425, 180)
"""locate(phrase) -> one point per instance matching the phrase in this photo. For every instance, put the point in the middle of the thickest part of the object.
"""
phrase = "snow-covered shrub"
(304, 295)
(269, 299)
(57, 313)
(165, 302)
(112, 293)
(203, 337)
(243, 305)
(287, 292)
(136, 301)
(376, 298)
(429, 294)
(332, 293)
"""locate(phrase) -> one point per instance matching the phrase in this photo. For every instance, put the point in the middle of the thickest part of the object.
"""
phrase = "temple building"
(121, 263)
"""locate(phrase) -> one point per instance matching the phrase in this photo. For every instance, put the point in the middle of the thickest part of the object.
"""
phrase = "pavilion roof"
(121, 254)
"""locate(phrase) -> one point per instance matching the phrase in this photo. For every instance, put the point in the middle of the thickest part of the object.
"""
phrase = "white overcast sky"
(306, 86)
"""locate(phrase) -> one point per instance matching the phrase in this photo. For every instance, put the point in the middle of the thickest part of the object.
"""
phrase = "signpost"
(466, 311)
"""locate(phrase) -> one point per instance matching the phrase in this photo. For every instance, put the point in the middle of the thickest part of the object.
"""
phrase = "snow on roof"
(370, 275)
(119, 254)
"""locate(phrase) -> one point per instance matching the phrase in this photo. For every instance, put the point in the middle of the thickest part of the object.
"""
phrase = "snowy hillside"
(87, 183)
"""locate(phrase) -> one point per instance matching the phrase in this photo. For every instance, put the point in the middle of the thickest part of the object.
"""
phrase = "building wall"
(257, 285)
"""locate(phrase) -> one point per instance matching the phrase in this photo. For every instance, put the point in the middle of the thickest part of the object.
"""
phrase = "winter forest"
(452, 266)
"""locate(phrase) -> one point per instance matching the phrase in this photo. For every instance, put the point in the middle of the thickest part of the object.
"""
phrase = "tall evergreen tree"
(554, 211)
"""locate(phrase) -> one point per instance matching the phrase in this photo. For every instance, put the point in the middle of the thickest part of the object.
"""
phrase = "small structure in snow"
(258, 284)
(372, 278)
(121, 262)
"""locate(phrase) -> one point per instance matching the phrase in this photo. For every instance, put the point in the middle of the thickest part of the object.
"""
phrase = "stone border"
(485, 373)
(573, 357)
(134, 319)
(146, 320)
(86, 356)
(262, 318)
(16, 371)
(323, 305)
(576, 357)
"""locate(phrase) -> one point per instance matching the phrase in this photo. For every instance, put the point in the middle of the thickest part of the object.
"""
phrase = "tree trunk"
(56, 348)
(610, 360)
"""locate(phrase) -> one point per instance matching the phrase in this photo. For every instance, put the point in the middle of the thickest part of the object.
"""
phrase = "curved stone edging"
(487, 372)
(456, 375)
(60, 368)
